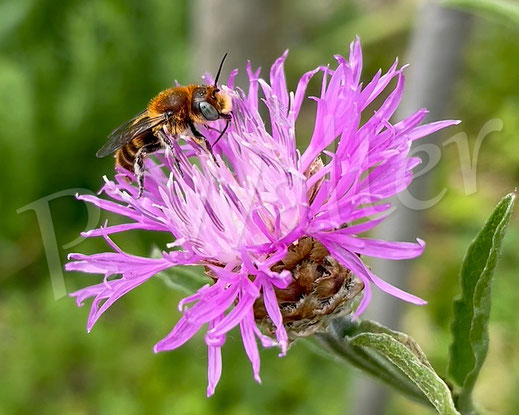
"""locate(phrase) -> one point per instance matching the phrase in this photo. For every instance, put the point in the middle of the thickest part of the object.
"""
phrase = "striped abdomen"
(125, 156)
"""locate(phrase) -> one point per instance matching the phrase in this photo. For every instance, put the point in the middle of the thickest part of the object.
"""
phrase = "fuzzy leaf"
(368, 326)
(405, 354)
(372, 365)
(340, 341)
(472, 309)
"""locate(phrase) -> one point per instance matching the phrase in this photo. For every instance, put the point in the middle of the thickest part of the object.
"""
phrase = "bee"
(177, 110)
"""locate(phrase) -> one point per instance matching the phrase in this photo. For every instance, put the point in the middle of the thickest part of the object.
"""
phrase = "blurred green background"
(70, 71)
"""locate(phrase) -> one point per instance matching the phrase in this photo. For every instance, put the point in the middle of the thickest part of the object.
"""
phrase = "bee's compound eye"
(208, 111)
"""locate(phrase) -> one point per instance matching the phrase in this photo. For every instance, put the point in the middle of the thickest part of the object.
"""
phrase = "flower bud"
(321, 290)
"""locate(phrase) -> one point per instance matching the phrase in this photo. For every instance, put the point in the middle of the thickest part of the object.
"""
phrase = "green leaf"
(391, 357)
(503, 10)
(411, 361)
(372, 365)
(472, 309)
(368, 326)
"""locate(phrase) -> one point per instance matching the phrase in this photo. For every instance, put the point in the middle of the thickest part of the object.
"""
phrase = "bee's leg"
(212, 128)
(177, 163)
(166, 142)
(200, 139)
(138, 166)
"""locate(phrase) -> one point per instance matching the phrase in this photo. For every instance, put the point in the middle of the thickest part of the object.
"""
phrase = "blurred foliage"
(70, 71)
(501, 10)
(50, 365)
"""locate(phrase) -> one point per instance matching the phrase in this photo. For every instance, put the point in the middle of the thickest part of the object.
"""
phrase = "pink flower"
(242, 218)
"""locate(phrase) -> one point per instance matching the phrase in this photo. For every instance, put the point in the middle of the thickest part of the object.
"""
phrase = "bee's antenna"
(219, 70)
(223, 131)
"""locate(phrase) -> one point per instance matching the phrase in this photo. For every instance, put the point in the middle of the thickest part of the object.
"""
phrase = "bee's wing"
(127, 131)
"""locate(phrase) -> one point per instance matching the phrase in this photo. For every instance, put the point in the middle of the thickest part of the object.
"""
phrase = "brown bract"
(321, 290)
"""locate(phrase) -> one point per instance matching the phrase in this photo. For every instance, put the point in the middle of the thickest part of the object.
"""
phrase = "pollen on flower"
(280, 232)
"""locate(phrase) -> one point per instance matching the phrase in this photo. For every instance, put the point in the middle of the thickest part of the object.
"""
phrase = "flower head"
(276, 230)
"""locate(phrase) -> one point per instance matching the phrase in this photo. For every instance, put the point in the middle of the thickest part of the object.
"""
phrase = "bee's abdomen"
(125, 156)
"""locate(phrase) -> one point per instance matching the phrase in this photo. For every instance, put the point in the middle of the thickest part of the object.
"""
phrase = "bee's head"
(211, 103)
